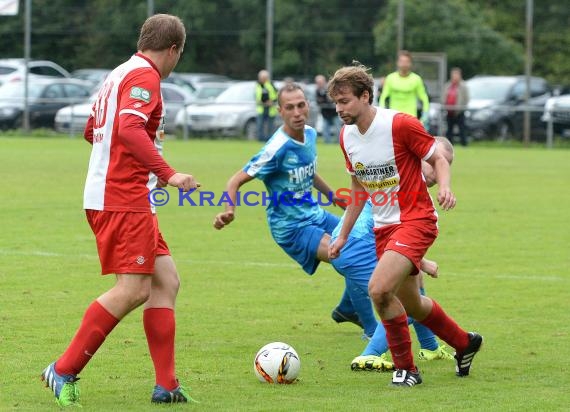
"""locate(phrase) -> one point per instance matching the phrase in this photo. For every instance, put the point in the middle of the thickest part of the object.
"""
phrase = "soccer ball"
(277, 362)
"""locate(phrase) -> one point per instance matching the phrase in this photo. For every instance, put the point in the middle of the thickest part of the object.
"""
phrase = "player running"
(356, 263)
(383, 150)
(287, 165)
(126, 130)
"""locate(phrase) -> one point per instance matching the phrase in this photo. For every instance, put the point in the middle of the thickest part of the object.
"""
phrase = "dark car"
(45, 98)
(493, 103)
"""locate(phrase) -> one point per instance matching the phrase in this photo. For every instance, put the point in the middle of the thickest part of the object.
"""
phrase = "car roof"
(49, 80)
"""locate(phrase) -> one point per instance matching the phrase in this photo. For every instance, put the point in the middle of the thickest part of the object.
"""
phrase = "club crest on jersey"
(140, 94)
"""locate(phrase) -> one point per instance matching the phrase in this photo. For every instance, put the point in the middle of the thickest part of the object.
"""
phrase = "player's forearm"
(133, 135)
(358, 197)
(232, 187)
(442, 172)
(422, 95)
(322, 186)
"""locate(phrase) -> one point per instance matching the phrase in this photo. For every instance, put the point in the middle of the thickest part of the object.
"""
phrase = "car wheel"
(18, 122)
(250, 130)
(505, 131)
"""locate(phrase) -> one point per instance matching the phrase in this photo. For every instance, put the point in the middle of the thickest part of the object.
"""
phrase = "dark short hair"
(356, 77)
(160, 32)
(288, 88)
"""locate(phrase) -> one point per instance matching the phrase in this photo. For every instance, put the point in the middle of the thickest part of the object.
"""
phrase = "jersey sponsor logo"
(380, 185)
(299, 174)
(290, 159)
(383, 171)
(140, 94)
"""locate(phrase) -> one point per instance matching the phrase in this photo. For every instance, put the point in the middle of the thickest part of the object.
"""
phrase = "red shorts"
(127, 242)
(411, 239)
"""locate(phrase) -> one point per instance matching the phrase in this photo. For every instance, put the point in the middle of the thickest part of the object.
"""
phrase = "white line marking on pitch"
(8, 252)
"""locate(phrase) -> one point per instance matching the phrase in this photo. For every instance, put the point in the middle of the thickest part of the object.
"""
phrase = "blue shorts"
(303, 243)
(357, 259)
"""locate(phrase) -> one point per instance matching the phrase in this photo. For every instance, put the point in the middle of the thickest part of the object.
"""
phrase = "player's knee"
(380, 296)
(174, 283)
(138, 295)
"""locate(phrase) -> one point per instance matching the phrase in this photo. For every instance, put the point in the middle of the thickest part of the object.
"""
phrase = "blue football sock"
(345, 305)
(358, 292)
(425, 335)
(378, 344)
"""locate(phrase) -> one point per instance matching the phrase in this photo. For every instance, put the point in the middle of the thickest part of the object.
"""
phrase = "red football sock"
(160, 328)
(399, 342)
(97, 323)
(446, 328)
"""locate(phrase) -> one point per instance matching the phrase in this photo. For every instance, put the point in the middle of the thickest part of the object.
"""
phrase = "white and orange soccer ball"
(277, 362)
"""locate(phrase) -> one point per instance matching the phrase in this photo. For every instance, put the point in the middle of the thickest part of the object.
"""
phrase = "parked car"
(233, 113)
(491, 111)
(180, 81)
(45, 98)
(196, 78)
(557, 110)
(14, 69)
(93, 76)
(208, 91)
(75, 116)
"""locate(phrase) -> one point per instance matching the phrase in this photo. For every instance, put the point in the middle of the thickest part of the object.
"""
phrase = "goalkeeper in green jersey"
(402, 89)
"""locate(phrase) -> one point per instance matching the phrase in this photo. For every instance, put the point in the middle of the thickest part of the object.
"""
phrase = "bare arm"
(445, 196)
(428, 173)
(234, 183)
(358, 200)
(323, 187)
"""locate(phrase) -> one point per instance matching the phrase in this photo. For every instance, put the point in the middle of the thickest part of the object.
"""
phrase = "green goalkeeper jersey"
(404, 93)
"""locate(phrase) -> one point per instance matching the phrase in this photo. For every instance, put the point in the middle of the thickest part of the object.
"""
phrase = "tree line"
(311, 36)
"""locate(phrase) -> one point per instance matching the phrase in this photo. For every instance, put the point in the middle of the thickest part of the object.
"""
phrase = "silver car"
(75, 117)
(233, 113)
(14, 70)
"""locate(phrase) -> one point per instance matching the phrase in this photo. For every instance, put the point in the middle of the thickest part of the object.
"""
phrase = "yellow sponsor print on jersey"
(359, 166)
(381, 185)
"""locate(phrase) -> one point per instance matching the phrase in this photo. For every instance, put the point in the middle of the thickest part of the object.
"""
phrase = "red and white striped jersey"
(386, 160)
(116, 180)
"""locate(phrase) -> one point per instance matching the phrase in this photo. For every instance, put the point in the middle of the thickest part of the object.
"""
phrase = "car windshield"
(238, 93)
(15, 90)
(209, 92)
(7, 70)
(487, 88)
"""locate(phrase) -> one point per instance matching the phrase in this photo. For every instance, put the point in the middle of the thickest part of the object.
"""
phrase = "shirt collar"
(142, 56)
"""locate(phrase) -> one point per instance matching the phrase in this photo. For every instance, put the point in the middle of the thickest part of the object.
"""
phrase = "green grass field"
(505, 272)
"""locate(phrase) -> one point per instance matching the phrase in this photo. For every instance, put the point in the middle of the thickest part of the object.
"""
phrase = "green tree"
(456, 27)
(551, 40)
